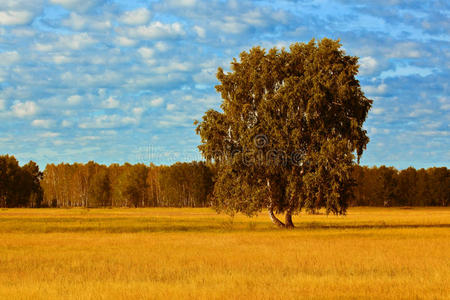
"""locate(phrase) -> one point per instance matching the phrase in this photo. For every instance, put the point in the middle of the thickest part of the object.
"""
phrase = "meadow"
(146, 253)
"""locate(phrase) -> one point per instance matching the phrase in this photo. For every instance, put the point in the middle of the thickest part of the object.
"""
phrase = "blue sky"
(116, 81)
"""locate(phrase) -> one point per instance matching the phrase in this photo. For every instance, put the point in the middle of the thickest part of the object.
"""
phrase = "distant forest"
(189, 185)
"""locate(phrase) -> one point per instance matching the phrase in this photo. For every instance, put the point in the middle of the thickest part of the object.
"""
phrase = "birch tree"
(289, 130)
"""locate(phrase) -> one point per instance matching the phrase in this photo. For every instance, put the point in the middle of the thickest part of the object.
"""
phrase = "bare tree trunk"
(288, 219)
(274, 218)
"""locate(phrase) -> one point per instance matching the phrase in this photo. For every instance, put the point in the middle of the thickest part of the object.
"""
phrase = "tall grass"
(178, 253)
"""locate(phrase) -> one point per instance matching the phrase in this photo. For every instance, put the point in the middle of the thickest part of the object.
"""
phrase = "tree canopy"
(189, 184)
(289, 130)
(19, 186)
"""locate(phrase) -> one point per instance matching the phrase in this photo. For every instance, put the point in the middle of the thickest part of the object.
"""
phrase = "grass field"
(372, 253)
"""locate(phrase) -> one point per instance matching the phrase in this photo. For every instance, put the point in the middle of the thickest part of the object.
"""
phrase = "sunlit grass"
(178, 253)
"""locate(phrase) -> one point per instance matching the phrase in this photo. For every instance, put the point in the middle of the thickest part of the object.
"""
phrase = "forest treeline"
(189, 184)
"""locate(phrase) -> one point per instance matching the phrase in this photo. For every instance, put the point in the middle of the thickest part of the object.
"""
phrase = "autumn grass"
(372, 253)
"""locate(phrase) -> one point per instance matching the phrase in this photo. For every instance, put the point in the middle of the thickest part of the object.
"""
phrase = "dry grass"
(194, 253)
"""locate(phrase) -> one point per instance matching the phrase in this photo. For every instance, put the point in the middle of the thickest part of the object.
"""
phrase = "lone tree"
(289, 132)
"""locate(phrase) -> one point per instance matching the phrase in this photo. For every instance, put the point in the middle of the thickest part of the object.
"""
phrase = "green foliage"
(329, 180)
(94, 185)
(386, 186)
(19, 186)
(186, 184)
(134, 184)
(282, 111)
(190, 184)
(100, 188)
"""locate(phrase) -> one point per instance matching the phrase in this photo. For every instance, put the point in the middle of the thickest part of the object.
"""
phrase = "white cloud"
(2, 104)
(404, 50)
(15, 17)
(43, 47)
(420, 112)
(24, 109)
(124, 41)
(148, 55)
(445, 103)
(110, 103)
(152, 80)
(138, 111)
(254, 18)
(176, 119)
(157, 30)
(108, 132)
(49, 134)
(136, 17)
(171, 106)
(182, 3)
(378, 110)
(375, 90)
(206, 76)
(161, 46)
(108, 121)
(23, 32)
(66, 123)
(5, 139)
(146, 52)
(77, 41)
(62, 59)
(108, 77)
(432, 124)
(3, 74)
(88, 138)
(368, 65)
(79, 22)
(232, 25)
(200, 31)
(74, 99)
(60, 142)
(111, 58)
(156, 102)
(445, 106)
(42, 123)
(101, 92)
(173, 66)
(434, 133)
(77, 5)
(9, 58)
(406, 71)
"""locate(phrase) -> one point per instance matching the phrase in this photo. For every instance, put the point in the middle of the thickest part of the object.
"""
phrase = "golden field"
(372, 253)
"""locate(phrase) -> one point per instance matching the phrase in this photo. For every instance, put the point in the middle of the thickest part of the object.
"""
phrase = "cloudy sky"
(116, 81)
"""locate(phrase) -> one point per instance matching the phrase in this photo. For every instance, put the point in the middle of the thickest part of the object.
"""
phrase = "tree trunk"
(274, 218)
(288, 219)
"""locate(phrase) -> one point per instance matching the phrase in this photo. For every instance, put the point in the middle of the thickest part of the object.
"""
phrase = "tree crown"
(282, 110)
